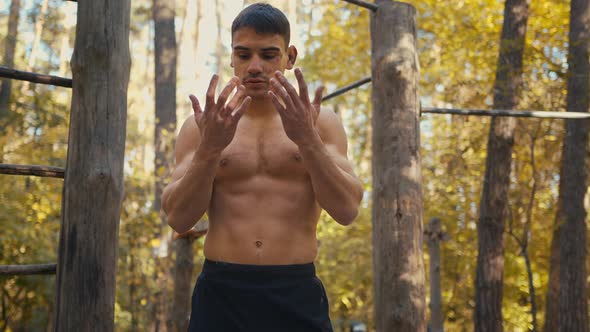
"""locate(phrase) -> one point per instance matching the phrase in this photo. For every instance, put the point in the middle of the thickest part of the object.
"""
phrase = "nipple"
(223, 162)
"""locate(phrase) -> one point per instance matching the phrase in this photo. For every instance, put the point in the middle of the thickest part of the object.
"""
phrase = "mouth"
(254, 81)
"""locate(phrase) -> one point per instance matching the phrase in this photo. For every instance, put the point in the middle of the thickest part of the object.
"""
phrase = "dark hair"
(264, 19)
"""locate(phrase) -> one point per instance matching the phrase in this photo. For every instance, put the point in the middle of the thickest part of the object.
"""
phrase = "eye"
(269, 56)
(244, 56)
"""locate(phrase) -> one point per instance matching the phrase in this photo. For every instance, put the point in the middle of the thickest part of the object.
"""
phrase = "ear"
(292, 54)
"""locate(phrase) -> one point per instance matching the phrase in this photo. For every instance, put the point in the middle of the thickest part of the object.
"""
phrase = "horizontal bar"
(480, 112)
(28, 269)
(512, 113)
(347, 88)
(35, 170)
(34, 77)
(365, 4)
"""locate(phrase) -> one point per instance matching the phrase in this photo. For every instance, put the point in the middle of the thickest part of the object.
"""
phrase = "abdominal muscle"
(262, 221)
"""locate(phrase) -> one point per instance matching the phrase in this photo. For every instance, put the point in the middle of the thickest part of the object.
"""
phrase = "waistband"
(223, 270)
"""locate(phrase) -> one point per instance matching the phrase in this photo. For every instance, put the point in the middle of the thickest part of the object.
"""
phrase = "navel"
(258, 244)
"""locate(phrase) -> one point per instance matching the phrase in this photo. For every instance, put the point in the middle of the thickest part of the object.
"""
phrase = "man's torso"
(263, 209)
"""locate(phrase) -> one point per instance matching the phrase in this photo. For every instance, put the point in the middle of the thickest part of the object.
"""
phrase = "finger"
(319, 92)
(288, 88)
(235, 101)
(227, 91)
(195, 104)
(303, 92)
(280, 92)
(210, 100)
(275, 100)
(238, 112)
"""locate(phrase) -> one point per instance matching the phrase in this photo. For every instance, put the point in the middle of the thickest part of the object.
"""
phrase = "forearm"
(187, 199)
(337, 192)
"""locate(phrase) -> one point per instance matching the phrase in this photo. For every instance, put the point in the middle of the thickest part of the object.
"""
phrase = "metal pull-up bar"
(475, 112)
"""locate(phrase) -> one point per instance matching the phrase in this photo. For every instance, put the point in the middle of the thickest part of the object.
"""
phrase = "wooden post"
(397, 189)
(93, 185)
(178, 317)
(573, 184)
(434, 235)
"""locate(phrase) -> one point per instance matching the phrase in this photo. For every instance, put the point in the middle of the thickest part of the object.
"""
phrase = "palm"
(218, 122)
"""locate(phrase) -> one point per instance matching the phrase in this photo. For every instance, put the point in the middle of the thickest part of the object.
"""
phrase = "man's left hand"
(298, 114)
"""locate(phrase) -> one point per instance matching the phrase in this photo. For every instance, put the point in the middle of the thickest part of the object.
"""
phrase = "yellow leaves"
(155, 243)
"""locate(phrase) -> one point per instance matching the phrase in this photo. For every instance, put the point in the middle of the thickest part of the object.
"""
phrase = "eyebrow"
(264, 49)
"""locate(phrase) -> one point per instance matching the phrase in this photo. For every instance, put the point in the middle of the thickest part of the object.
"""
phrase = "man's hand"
(298, 114)
(219, 121)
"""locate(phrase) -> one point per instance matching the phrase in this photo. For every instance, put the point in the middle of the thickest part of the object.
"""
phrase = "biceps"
(340, 160)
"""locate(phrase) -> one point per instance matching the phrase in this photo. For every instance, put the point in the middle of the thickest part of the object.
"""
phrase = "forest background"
(458, 49)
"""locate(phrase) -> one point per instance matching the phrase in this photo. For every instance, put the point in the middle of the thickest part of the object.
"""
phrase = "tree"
(163, 12)
(573, 297)
(93, 185)
(8, 59)
(397, 177)
(494, 200)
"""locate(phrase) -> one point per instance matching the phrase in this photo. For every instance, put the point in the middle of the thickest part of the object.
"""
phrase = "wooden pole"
(573, 184)
(397, 188)
(434, 236)
(93, 184)
(34, 77)
(34, 170)
(27, 269)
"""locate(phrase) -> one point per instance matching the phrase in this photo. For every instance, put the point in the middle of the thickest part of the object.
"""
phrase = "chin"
(257, 94)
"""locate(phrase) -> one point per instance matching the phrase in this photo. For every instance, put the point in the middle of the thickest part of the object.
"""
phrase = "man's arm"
(186, 199)
(322, 142)
(337, 189)
(200, 142)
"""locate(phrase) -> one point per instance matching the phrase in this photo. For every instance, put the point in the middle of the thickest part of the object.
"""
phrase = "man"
(262, 164)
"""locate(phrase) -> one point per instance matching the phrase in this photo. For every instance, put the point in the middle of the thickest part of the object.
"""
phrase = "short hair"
(264, 19)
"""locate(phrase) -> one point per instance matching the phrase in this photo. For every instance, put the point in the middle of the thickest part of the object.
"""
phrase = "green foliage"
(458, 47)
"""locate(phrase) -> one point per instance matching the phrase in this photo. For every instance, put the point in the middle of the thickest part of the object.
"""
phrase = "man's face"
(255, 58)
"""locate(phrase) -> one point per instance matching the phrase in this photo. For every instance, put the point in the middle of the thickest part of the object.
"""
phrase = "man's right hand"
(218, 122)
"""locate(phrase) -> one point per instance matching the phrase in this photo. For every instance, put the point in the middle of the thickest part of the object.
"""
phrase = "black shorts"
(254, 298)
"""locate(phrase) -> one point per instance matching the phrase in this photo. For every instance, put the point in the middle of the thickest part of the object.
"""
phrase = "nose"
(255, 66)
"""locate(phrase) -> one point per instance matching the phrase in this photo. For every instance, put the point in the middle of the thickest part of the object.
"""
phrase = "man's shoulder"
(189, 129)
(188, 138)
(329, 121)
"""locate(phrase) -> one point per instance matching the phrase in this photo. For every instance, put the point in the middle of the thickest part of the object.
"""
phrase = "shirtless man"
(262, 164)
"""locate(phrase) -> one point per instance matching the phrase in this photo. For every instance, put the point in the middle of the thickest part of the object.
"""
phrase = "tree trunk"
(552, 297)
(163, 12)
(196, 33)
(93, 186)
(219, 51)
(573, 299)
(165, 76)
(397, 184)
(434, 237)
(183, 275)
(39, 24)
(8, 59)
(494, 200)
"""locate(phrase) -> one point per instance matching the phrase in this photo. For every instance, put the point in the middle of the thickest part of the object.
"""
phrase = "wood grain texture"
(397, 184)
(93, 186)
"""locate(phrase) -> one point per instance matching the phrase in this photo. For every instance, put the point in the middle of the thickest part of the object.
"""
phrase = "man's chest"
(261, 151)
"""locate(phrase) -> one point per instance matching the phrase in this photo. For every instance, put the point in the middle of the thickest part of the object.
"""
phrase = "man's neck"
(261, 108)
